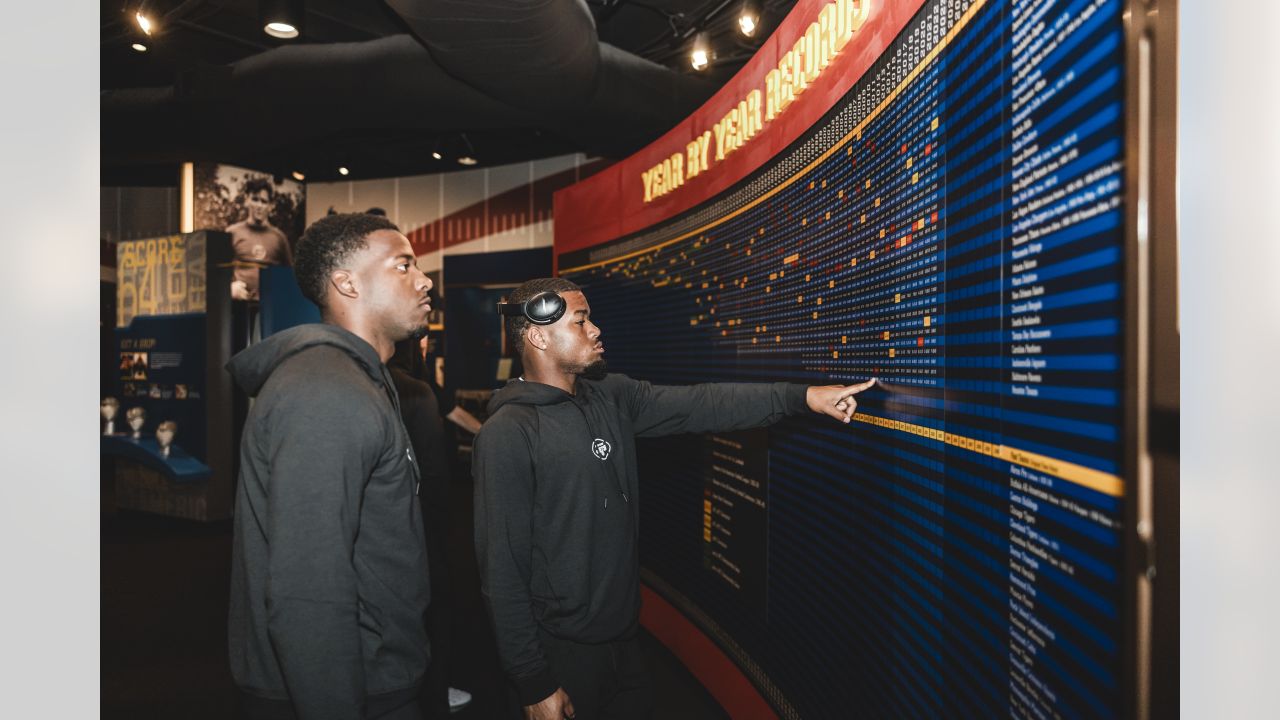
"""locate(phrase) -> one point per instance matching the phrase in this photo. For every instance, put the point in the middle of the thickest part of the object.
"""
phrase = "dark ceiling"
(379, 85)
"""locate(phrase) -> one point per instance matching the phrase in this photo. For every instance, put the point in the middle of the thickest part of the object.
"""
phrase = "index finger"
(856, 388)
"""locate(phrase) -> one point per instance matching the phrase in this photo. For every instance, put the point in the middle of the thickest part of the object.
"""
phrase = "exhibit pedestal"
(138, 487)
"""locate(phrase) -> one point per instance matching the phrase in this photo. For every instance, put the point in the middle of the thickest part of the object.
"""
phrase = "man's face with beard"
(574, 341)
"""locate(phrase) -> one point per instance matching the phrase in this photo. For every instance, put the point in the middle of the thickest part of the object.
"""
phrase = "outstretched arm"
(718, 407)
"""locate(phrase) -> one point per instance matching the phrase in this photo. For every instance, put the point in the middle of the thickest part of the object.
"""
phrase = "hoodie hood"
(523, 392)
(253, 366)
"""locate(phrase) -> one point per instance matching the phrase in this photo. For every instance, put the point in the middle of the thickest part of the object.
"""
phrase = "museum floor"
(164, 608)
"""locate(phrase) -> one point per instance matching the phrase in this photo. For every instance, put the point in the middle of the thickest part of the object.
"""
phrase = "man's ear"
(536, 337)
(344, 283)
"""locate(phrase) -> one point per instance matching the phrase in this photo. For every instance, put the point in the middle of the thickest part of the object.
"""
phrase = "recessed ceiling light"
(467, 160)
(283, 19)
(299, 176)
(281, 30)
(144, 23)
(139, 47)
(343, 170)
(436, 154)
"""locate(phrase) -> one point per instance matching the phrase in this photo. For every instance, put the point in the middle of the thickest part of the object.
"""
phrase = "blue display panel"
(954, 228)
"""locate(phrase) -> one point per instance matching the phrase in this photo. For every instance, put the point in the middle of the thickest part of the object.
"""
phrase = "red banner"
(613, 203)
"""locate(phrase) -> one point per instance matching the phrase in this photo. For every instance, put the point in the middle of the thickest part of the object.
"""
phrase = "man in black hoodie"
(557, 494)
(329, 567)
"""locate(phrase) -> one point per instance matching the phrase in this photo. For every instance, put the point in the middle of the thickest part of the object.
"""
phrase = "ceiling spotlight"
(297, 175)
(749, 17)
(436, 154)
(144, 23)
(342, 170)
(139, 47)
(281, 18)
(701, 55)
(281, 30)
(467, 158)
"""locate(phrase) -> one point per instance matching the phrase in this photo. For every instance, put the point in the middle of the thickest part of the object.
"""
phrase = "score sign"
(160, 276)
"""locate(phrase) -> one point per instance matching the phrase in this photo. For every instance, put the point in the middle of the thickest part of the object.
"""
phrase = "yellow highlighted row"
(1093, 479)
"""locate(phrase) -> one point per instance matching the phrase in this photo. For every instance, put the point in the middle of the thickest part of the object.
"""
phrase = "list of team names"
(1060, 179)
(734, 506)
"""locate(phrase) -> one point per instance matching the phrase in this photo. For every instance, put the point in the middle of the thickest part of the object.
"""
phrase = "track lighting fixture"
(467, 158)
(700, 55)
(749, 17)
(144, 22)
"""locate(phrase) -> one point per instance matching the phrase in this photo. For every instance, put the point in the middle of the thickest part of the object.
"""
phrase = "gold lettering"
(692, 155)
(849, 17)
(647, 178)
(811, 53)
(732, 131)
(786, 93)
(704, 144)
(752, 113)
(798, 84)
(827, 31)
(771, 108)
(720, 138)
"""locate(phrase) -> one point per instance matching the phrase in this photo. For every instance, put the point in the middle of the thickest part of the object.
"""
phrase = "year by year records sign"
(797, 69)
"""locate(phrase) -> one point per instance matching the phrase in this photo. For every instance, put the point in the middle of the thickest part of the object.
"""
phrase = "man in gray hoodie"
(329, 568)
(557, 495)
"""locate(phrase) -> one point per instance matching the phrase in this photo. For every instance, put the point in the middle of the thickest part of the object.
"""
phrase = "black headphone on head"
(542, 309)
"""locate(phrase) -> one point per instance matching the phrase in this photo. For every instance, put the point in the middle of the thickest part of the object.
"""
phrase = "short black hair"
(327, 244)
(376, 211)
(517, 324)
(255, 184)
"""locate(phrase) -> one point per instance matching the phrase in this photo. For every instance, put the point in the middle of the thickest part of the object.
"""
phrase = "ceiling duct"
(478, 66)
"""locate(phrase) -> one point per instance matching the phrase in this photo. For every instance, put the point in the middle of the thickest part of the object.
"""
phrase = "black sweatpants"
(609, 681)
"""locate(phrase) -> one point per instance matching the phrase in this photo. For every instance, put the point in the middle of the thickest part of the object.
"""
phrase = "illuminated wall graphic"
(954, 228)
(160, 276)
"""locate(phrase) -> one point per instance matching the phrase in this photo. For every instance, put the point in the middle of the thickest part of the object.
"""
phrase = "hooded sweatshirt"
(329, 568)
(556, 509)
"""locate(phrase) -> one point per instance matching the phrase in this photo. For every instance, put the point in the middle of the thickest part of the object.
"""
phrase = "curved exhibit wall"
(942, 208)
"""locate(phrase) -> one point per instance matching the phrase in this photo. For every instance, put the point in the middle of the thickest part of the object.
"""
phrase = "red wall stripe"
(708, 663)
(486, 216)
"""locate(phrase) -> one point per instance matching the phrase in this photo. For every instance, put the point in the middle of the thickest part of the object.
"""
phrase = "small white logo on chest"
(600, 448)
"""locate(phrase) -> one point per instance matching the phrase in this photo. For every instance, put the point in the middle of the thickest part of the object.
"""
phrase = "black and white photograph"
(263, 214)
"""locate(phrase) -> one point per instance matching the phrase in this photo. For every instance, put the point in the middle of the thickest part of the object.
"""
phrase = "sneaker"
(458, 699)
